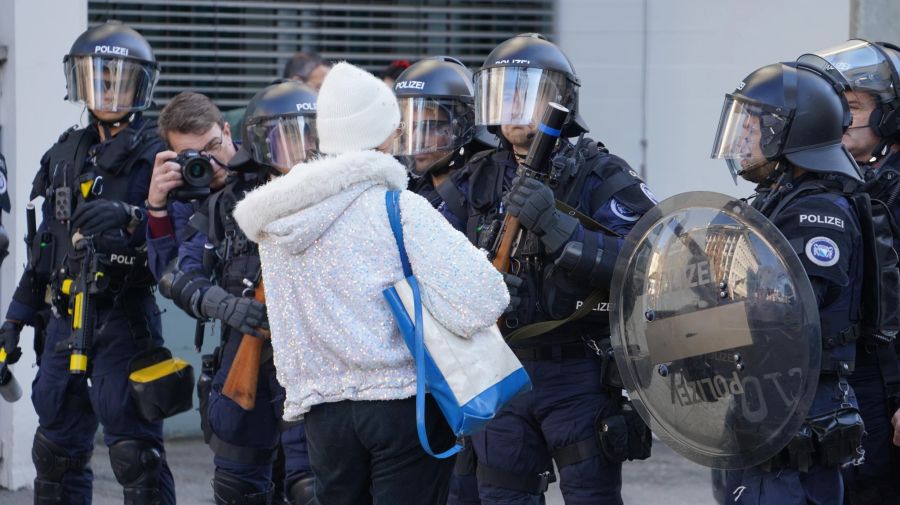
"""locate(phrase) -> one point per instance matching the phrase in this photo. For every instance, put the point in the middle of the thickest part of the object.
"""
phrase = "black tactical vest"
(79, 169)
(236, 266)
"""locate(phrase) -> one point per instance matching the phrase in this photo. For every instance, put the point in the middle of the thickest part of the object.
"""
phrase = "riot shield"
(715, 330)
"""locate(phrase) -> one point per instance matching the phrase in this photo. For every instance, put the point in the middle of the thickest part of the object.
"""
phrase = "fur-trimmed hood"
(301, 205)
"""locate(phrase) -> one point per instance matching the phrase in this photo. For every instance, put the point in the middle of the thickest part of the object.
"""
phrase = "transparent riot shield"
(715, 330)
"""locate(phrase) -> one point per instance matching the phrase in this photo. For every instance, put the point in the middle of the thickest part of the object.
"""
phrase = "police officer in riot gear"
(94, 181)
(782, 128)
(217, 271)
(437, 137)
(438, 127)
(558, 265)
(869, 72)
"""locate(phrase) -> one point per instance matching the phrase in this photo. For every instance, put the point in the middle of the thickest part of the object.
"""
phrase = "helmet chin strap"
(107, 126)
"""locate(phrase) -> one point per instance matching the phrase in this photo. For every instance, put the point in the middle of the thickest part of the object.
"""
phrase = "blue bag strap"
(392, 201)
(420, 377)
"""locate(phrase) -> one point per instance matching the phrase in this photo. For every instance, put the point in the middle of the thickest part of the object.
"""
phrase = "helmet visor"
(863, 66)
(430, 129)
(109, 84)
(749, 135)
(517, 95)
(282, 142)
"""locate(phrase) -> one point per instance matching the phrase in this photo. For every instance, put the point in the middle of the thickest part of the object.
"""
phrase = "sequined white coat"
(328, 252)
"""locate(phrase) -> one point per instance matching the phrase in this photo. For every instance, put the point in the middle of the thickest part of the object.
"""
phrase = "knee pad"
(137, 465)
(303, 491)
(229, 490)
(51, 461)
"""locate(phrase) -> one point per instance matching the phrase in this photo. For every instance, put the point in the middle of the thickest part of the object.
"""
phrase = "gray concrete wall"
(875, 20)
(696, 51)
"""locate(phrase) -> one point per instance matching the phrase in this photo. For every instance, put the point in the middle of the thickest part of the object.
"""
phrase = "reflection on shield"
(715, 330)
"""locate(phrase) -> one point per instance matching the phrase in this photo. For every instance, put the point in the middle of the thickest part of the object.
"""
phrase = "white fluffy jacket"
(328, 253)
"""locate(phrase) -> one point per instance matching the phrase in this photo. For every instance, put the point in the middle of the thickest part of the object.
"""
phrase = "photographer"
(198, 137)
(214, 278)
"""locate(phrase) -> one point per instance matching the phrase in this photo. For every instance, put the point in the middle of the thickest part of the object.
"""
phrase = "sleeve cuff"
(160, 226)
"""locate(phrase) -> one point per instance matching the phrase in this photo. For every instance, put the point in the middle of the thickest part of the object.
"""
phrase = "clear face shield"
(862, 67)
(282, 142)
(431, 130)
(109, 84)
(517, 95)
(749, 136)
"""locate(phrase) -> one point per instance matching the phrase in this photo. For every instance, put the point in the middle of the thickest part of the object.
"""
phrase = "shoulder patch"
(822, 251)
(622, 211)
(649, 194)
(2, 184)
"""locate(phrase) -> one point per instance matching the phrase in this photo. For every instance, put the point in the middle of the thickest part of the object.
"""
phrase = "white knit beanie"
(355, 111)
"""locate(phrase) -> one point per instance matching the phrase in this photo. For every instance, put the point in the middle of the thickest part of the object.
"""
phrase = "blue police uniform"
(70, 407)
(244, 442)
(822, 226)
(876, 377)
(514, 451)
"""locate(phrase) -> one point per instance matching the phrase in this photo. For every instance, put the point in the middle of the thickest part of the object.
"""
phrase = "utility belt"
(114, 295)
(828, 440)
(573, 350)
(593, 348)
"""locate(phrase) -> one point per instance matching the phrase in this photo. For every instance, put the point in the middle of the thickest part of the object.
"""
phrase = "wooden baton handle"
(243, 377)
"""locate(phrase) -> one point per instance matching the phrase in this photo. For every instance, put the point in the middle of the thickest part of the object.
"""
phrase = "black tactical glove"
(101, 215)
(9, 340)
(245, 315)
(534, 204)
(513, 283)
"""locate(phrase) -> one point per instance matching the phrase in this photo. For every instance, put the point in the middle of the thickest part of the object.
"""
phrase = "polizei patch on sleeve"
(622, 211)
(822, 220)
(822, 251)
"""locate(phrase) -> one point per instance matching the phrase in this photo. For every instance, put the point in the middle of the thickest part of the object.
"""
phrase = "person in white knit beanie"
(327, 253)
(356, 112)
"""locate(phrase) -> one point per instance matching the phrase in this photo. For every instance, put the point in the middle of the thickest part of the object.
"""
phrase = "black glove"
(245, 315)
(534, 204)
(513, 284)
(9, 340)
(101, 215)
(531, 201)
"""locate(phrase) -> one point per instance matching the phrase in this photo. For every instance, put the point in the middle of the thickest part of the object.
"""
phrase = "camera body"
(197, 172)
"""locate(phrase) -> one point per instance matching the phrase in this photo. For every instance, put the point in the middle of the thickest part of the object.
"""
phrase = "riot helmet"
(519, 78)
(437, 117)
(785, 111)
(868, 68)
(111, 68)
(280, 126)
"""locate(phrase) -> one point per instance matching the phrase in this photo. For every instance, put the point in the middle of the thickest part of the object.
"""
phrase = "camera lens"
(195, 170)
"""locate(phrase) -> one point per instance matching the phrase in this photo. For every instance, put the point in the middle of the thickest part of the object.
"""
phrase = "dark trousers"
(818, 486)
(69, 410)
(562, 409)
(259, 428)
(877, 480)
(368, 452)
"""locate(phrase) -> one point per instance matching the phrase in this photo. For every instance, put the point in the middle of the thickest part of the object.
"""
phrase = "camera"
(197, 172)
